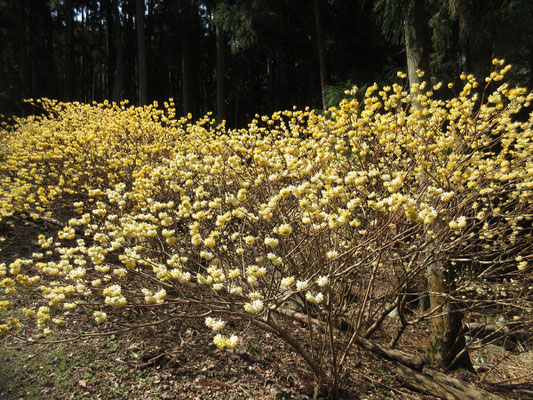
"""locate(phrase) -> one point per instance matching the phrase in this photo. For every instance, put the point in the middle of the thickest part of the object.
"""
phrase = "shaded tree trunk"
(416, 42)
(189, 70)
(221, 84)
(186, 70)
(23, 45)
(141, 54)
(463, 12)
(531, 63)
(280, 86)
(34, 43)
(130, 50)
(110, 50)
(118, 74)
(85, 63)
(69, 52)
(321, 52)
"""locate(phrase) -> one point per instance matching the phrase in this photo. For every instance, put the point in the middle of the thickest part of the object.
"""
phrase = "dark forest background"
(242, 57)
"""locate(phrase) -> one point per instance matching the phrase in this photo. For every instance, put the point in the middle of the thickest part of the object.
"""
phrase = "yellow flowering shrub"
(302, 210)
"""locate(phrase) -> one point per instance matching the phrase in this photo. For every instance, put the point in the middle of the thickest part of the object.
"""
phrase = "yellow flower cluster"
(113, 296)
(295, 205)
(151, 297)
(226, 343)
(100, 316)
(215, 324)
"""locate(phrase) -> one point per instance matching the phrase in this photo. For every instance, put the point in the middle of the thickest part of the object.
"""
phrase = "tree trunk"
(34, 48)
(416, 43)
(23, 44)
(130, 50)
(118, 74)
(221, 84)
(463, 12)
(110, 51)
(237, 110)
(189, 72)
(321, 53)
(447, 348)
(280, 95)
(69, 51)
(141, 54)
(186, 70)
(85, 63)
(531, 64)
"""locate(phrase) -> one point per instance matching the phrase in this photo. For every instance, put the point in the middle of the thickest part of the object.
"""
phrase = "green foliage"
(334, 94)
(391, 16)
(236, 18)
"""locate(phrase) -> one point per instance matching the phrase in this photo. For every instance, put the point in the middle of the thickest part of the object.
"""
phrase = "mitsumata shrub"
(333, 216)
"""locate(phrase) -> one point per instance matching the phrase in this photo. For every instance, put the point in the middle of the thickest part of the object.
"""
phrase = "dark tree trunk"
(189, 69)
(531, 64)
(416, 42)
(85, 64)
(221, 84)
(33, 46)
(321, 53)
(118, 74)
(186, 69)
(130, 50)
(110, 50)
(100, 89)
(464, 14)
(141, 54)
(237, 110)
(69, 52)
(23, 47)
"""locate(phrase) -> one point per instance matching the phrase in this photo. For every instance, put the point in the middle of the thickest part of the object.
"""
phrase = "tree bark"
(189, 72)
(85, 63)
(442, 386)
(141, 54)
(531, 65)
(34, 48)
(118, 74)
(69, 52)
(416, 43)
(110, 51)
(186, 70)
(23, 44)
(462, 10)
(321, 53)
(447, 348)
(221, 84)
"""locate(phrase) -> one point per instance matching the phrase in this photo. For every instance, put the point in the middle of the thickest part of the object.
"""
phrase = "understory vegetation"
(334, 220)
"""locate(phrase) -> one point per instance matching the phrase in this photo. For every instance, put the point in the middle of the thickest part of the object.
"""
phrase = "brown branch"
(441, 385)
(370, 345)
(272, 326)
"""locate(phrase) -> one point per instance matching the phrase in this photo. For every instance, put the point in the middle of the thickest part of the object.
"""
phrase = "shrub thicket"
(335, 217)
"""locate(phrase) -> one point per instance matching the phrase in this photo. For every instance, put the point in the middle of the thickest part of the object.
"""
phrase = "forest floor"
(179, 361)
